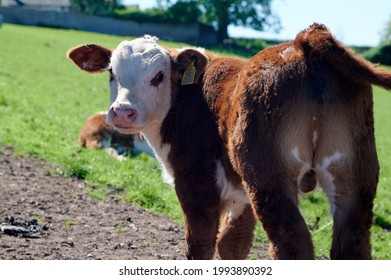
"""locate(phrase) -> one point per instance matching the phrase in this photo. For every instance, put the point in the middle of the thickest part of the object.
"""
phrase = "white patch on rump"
(323, 175)
(314, 138)
(327, 161)
(305, 166)
(326, 179)
(327, 183)
(234, 199)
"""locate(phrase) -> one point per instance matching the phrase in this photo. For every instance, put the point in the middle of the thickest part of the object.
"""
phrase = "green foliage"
(185, 11)
(380, 54)
(182, 12)
(246, 47)
(44, 101)
(135, 14)
(221, 13)
(93, 7)
(255, 14)
(360, 49)
(386, 34)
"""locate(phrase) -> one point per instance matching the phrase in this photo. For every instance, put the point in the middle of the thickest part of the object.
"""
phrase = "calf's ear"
(90, 58)
(190, 64)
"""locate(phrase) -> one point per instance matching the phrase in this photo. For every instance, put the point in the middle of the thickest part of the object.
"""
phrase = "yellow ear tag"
(189, 75)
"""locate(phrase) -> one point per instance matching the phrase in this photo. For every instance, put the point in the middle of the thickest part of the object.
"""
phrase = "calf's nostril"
(118, 114)
(113, 113)
(132, 114)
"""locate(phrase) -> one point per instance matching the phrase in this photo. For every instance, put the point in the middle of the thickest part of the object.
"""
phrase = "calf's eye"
(157, 79)
(112, 77)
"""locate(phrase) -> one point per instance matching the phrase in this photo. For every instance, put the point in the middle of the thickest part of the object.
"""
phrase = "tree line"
(382, 53)
(256, 14)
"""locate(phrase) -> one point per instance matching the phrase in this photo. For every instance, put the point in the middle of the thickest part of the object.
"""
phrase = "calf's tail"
(317, 41)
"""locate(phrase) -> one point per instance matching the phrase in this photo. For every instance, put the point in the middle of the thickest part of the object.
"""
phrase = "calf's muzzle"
(122, 116)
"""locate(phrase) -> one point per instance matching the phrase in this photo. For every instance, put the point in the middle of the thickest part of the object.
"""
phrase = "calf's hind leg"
(273, 196)
(353, 203)
(236, 235)
(281, 219)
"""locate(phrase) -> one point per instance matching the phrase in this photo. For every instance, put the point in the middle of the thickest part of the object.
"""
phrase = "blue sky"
(354, 22)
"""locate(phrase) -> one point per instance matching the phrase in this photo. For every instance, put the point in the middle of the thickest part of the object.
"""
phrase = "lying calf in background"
(96, 134)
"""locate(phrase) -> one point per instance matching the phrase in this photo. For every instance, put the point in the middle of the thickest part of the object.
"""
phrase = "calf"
(96, 134)
(242, 137)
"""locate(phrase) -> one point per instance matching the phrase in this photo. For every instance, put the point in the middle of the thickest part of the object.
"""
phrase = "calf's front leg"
(200, 208)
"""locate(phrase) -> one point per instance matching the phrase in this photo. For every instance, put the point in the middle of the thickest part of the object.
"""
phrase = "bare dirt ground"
(71, 224)
(48, 216)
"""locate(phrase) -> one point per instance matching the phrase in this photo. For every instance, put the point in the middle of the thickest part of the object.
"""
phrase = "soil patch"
(44, 215)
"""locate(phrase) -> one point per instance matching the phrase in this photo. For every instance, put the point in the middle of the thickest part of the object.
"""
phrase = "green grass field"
(44, 101)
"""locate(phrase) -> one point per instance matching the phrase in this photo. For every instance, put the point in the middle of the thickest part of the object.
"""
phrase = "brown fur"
(96, 134)
(235, 237)
(279, 98)
(259, 118)
(90, 57)
(191, 130)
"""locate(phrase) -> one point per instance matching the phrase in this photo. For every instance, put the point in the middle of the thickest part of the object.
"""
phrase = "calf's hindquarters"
(311, 123)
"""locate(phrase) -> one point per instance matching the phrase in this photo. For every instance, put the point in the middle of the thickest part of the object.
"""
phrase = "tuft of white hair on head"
(149, 37)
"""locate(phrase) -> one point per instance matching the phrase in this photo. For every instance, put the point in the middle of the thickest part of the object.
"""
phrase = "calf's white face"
(140, 79)
(140, 87)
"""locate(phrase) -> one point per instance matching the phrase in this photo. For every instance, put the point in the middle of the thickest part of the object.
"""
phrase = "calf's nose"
(123, 116)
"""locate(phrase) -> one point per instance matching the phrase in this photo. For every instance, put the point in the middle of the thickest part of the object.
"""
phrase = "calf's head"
(142, 77)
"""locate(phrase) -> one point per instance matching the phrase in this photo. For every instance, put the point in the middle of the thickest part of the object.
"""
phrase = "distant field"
(44, 100)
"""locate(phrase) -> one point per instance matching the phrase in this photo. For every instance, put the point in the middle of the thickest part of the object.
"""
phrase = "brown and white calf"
(96, 134)
(241, 138)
